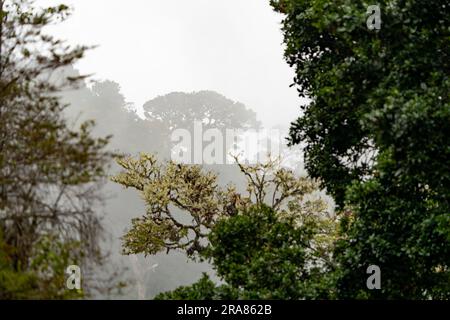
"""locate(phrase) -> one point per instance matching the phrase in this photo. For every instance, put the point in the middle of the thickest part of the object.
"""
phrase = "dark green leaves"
(376, 133)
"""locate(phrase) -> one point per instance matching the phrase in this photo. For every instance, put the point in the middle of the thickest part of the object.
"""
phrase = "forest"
(192, 196)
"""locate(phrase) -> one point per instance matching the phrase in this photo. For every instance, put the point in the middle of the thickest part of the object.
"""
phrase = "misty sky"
(153, 47)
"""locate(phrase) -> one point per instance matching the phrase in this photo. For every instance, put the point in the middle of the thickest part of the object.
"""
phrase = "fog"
(163, 56)
(153, 47)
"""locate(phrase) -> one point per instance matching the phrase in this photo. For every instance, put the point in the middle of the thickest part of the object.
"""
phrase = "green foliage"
(273, 243)
(407, 237)
(376, 134)
(168, 186)
(270, 256)
(164, 187)
(49, 174)
(261, 254)
(14, 284)
(45, 278)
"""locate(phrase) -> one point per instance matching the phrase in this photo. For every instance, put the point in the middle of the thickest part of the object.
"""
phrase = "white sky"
(153, 47)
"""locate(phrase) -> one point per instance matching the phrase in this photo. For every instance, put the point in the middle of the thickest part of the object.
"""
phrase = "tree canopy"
(376, 134)
(274, 242)
(180, 110)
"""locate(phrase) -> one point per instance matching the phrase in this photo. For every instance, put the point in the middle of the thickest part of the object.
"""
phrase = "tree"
(197, 194)
(270, 243)
(376, 135)
(49, 174)
(180, 110)
(262, 254)
(45, 276)
(103, 102)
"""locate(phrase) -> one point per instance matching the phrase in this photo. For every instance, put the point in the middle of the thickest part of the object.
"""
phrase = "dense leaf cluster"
(376, 133)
